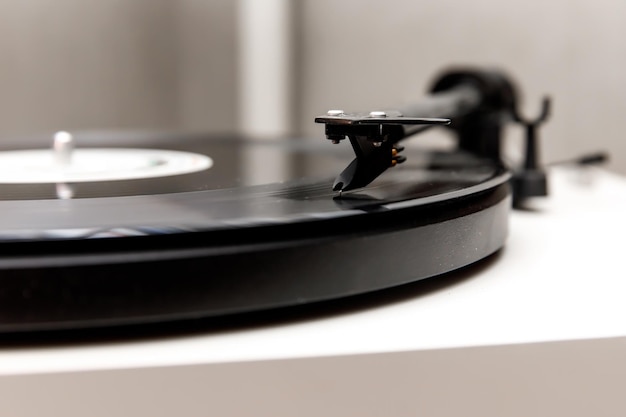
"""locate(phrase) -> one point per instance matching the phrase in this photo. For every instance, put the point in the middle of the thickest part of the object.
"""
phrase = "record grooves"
(293, 243)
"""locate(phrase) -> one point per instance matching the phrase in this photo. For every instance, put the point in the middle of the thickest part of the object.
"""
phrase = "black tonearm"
(474, 103)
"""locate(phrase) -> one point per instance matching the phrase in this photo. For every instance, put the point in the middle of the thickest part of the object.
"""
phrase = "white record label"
(97, 164)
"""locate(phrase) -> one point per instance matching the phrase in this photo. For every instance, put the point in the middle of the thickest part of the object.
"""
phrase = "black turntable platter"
(222, 241)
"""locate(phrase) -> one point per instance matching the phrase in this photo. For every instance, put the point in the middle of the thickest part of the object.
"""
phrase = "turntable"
(373, 279)
(106, 231)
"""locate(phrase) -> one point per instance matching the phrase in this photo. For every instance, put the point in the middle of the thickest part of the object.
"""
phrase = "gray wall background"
(116, 64)
(164, 64)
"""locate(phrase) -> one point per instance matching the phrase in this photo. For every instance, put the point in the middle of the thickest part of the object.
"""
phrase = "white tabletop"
(560, 276)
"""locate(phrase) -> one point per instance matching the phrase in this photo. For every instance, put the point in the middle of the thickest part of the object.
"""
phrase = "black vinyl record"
(258, 228)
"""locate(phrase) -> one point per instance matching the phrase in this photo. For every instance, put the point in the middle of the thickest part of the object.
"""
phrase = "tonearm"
(474, 103)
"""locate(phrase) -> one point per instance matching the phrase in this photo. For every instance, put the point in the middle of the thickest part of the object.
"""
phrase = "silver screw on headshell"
(377, 113)
(335, 113)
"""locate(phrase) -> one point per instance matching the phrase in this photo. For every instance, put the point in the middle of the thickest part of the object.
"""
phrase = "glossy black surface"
(228, 195)
(230, 249)
(230, 155)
